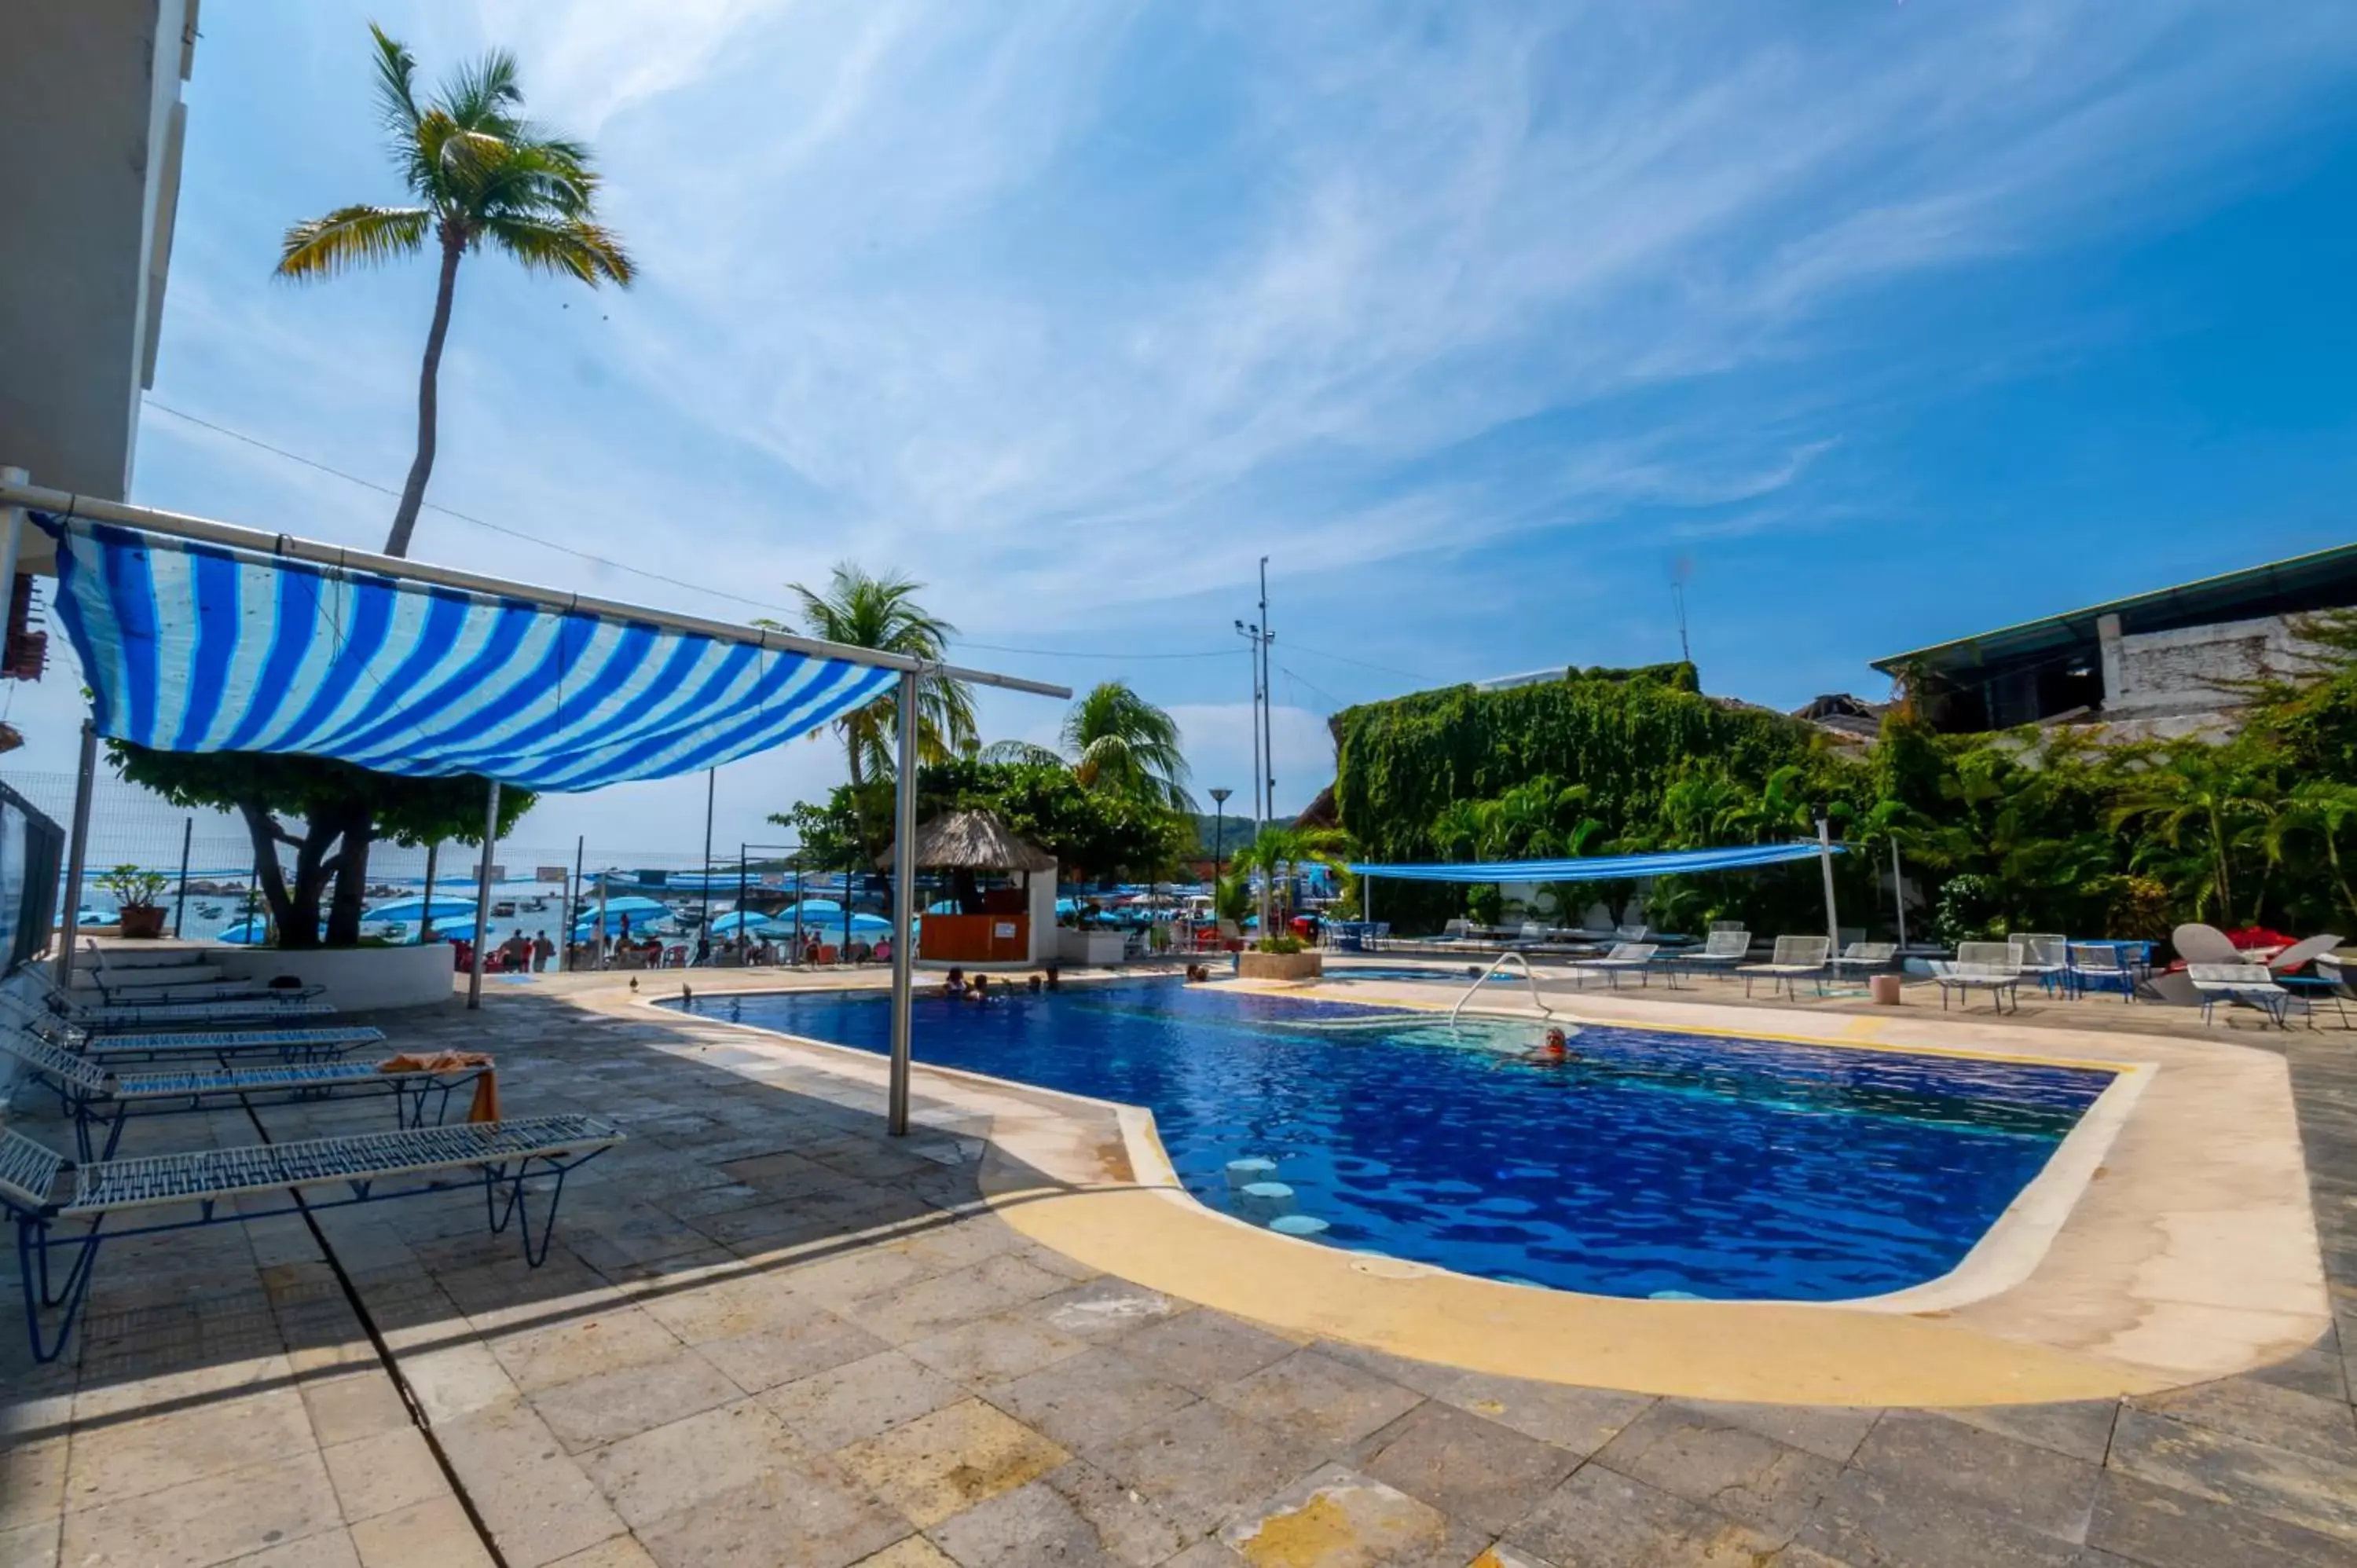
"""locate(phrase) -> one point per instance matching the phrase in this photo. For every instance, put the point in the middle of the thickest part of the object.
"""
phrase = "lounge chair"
(2247, 985)
(304, 1043)
(1866, 957)
(2302, 953)
(2045, 954)
(97, 1096)
(2332, 984)
(1626, 958)
(2204, 944)
(150, 1014)
(1726, 946)
(2099, 966)
(2000, 981)
(497, 1158)
(1990, 955)
(1632, 933)
(1794, 958)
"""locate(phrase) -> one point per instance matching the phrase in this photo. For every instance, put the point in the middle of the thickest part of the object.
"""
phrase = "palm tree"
(2207, 807)
(1115, 741)
(480, 172)
(882, 613)
(1279, 849)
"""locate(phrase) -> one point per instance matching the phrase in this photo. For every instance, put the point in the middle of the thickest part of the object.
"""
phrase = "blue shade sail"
(1604, 869)
(198, 646)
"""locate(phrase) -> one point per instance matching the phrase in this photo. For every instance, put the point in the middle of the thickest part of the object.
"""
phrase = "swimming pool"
(1660, 1163)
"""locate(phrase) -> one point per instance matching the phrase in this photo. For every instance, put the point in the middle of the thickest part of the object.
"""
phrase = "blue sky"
(1894, 321)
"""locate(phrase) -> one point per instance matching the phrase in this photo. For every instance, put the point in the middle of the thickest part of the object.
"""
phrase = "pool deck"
(769, 1333)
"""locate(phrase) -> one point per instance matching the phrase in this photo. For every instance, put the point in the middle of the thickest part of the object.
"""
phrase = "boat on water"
(503, 911)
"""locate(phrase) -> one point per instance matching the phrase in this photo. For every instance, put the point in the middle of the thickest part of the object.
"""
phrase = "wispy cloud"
(1075, 309)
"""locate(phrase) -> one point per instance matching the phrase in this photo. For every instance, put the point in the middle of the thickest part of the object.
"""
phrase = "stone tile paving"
(768, 1335)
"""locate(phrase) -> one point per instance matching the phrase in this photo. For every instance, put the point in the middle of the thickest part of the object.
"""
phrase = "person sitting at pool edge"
(955, 984)
(981, 991)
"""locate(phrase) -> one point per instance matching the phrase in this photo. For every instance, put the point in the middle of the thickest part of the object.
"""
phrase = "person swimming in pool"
(1553, 1049)
(955, 984)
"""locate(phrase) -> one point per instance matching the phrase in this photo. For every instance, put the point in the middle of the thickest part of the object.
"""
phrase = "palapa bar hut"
(1010, 924)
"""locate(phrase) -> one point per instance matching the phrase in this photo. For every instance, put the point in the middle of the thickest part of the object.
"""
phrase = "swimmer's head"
(1555, 1041)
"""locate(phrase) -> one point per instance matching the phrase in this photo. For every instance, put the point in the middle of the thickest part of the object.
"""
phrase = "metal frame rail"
(1530, 977)
(502, 1155)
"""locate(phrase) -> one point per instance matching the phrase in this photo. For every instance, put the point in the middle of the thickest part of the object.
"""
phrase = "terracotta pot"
(142, 921)
(1883, 989)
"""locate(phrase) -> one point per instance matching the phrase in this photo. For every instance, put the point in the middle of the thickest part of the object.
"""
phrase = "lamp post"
(1826, 860)
(1219, 837)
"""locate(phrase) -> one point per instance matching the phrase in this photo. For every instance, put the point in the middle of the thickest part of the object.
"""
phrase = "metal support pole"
(797, 904)
(1826, 860)
(12, 542)
(77, 851)
(482, 894)
(1899, 893)
(904, 899)
(572, 897)
(603, 878)
(711, 794)
(180, 903)
(744, 938)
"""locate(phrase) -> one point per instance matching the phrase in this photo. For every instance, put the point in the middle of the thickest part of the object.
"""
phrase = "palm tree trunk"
(413, 493)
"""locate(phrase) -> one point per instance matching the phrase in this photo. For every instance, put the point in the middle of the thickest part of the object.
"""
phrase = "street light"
(1219, 837)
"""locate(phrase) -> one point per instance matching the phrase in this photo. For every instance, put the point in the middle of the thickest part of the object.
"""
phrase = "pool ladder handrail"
(1529, 978)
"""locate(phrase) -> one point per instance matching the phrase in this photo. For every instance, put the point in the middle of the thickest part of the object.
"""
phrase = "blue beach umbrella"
(414, 908)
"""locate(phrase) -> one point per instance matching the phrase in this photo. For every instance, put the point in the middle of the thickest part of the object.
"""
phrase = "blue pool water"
(1658, 1164)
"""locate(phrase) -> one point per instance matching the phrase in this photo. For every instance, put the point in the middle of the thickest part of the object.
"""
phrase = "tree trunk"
(265, 831)
(413, 493)
(358, 831)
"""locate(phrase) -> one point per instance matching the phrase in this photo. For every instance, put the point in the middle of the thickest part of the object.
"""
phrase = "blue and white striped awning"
(194, 646)
(1605, 868)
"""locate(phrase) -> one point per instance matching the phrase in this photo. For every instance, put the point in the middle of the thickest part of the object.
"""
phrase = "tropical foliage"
(882, 613)
(328, 812)
(2045, 830)
(1093, 835)
(480, 174)
(1115, 741)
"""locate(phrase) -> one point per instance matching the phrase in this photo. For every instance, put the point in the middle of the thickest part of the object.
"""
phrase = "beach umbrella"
(810, 907)
(727, 923)
(634, 905)
(414, 908)
(946, 906)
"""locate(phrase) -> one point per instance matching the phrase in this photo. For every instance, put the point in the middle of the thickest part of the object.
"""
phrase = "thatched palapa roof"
(974, 841)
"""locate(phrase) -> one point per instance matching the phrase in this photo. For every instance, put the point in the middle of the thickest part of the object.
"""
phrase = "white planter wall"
(357, 979)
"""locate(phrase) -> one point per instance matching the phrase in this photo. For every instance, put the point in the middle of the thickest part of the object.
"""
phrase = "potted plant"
(135, 892)
(1280, 958)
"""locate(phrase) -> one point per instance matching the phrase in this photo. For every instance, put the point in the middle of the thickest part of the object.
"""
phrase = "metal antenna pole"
(572, 897)
(904, 900)
(1267, 731)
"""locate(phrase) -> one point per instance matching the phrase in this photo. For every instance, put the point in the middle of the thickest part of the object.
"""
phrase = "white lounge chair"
(2099, 966)
(2249, 984)
(1725, 946)
(1795, 959)
(1626, 958)
(2045, 954)
(1990, 955)
(1867, 958)
(2000, 981)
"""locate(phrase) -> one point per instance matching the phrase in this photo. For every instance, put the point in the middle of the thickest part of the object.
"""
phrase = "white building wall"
(2160, 684)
